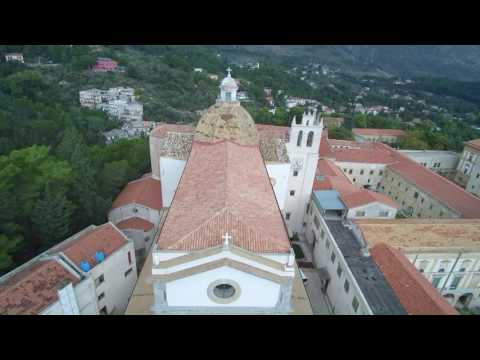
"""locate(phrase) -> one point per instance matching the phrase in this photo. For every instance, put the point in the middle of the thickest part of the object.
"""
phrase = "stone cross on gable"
(229, 70)
(226, 239)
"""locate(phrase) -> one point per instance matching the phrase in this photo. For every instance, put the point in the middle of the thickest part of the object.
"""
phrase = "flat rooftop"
(328, 200)
(378, 293)
(142, 297)
(435, 235)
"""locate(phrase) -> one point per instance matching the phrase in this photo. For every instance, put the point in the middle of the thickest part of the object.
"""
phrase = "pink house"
(104, 65)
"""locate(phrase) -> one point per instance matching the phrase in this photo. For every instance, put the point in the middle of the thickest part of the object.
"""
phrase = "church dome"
(227, 121)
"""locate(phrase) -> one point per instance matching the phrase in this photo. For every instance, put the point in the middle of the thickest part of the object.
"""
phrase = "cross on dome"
(229, 70)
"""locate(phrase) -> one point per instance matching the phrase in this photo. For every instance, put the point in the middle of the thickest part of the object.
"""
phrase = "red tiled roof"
(363, 197)
(325, 149)
(413, 290)
(272, 131)
(135, 223)
(474, 144)
(145, 191)
(162, 129)
(378, 132)
(449, 193)
(351, 194)
(33, 289)
(105, 238)
(224, 187)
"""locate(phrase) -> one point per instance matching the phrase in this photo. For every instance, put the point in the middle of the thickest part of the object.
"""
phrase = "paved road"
(314, 292)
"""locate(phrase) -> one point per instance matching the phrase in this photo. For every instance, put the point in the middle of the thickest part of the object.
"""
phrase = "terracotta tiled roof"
(325, 149)
(272, 131)
(332, 178)
(447, 192)
(423, 234)
(442, 189)
(474, 144)
(135, 223)
(105, 238)
(145, 191)
(34, 288)
(363, 197)
(413, 290)
(378, 132)
(372, 153)
(224, 187)
(163, 129)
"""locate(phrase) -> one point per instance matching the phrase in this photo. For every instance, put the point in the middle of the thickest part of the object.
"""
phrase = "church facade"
(235, 193)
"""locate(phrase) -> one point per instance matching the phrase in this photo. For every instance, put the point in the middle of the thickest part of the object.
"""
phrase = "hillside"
(460, 62)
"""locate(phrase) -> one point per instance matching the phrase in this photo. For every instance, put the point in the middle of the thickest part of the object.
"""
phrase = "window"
(103, 311)
(383, 213)
(346, 286)
(455, 282)
(380, 173)
(129, 258)
(436, 281)
(228, 96)
(299, 139)
(339, 271)
(292, 192)
(415, 195)
(310, 139)
(317, 223)
(350, 171)
(308, 207)
(322, 234)
(355, 304)
(135, 210)
(361, 172)
(287, 216)
(224, 291)
(371, 172)
(344, 170)
(128, 272)
(333, 257)
(441, 213)
(360, 213)
(354, 179)
(101, 296)
(99, 280)
(327, 244)
(295, 173)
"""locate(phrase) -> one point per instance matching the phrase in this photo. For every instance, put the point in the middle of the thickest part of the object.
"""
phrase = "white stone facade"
(456, 275)
(303, 154)
(468, 170)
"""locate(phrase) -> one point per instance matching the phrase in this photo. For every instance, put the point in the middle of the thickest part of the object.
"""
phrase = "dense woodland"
(58, 176)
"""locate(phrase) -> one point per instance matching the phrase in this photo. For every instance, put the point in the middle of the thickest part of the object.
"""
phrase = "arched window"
(310, 139)
(299, 140)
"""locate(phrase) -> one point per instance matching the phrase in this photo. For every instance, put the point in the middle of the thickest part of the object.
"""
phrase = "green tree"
(51, 216)
(114, 176)
(413, 141)
(8, 245)
(71, 138)
(340, 133)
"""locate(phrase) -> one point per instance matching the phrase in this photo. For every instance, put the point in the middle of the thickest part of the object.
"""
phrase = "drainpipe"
(448, 277)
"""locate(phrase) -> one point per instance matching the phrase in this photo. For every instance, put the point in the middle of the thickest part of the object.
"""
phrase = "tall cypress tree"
(52, 215)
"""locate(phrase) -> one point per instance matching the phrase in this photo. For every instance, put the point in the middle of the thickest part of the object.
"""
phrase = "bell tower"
(303, 151)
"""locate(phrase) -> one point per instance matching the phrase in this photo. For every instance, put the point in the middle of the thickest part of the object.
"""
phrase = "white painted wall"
(126, 212)
(451, 262)
(193, 290)
(84, 297)
(279, 173)
(339, 298)
(354, 170)
(304, 159)
(448, 160)
(372, 211)
(118, 288)
(171, 171)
